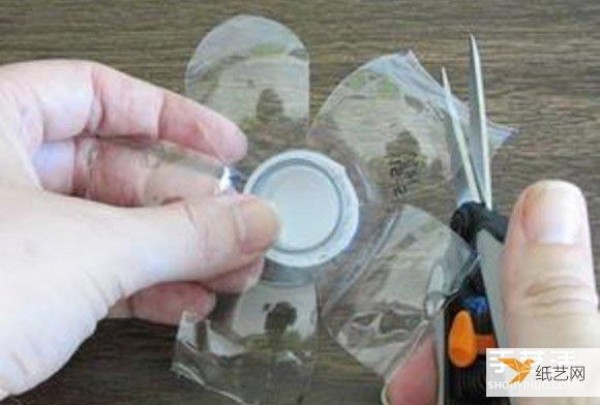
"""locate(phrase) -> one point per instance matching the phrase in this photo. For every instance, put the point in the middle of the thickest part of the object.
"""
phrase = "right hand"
(549, 289)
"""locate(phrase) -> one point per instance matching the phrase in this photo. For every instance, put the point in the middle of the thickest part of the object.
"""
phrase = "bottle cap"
(316, 203)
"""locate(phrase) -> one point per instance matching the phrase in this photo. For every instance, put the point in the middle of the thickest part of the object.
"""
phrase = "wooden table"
(542, 67)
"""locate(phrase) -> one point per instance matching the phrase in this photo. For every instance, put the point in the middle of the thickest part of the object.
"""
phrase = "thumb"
(549, 290)
(78, 257)
(198, 240)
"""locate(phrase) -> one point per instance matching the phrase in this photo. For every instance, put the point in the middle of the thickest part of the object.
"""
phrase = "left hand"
(67, 261)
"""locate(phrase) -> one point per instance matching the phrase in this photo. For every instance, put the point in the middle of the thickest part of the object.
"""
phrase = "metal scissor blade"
(490, 252)
(465, 181)
(478, 131)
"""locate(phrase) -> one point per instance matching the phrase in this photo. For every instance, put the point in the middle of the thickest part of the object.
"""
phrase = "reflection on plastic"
(169, 171)
(257, 348)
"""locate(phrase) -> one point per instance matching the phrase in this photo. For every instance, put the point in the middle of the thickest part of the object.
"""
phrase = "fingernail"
(384, 396)
(255, 276)
(205, 305)
(242, 144)
(553, 213)
(236, 144)
(257, 222)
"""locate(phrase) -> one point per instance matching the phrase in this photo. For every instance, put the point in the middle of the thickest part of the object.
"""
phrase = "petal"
(392, 304)
(390, 118)
(255, 72)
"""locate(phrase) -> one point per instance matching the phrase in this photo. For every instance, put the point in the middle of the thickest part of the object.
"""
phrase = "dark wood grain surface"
(542, 68)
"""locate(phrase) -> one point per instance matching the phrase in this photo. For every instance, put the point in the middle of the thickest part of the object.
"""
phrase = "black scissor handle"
(466, 385)
(472, 217)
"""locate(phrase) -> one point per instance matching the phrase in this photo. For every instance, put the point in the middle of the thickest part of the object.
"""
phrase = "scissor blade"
(490, 252)
(478, 131)
(465, 181)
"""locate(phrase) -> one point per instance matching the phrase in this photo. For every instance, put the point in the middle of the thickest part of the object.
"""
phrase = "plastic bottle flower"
(358, 255)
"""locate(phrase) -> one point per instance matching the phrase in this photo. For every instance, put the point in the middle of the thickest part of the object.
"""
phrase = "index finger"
(60, 99)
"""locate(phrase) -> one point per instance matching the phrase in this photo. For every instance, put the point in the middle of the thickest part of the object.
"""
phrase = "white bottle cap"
(316, 203)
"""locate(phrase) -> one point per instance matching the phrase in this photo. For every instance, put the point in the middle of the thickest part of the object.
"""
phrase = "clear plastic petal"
(393, 115)
(256, 348)
(255, 72)
(387, 306)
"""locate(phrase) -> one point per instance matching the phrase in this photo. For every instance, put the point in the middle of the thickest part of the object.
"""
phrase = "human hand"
(549, 291)
(66, 260)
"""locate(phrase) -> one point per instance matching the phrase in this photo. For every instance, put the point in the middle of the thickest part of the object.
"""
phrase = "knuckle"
(559, 294)
(555, 282)
(201, 231)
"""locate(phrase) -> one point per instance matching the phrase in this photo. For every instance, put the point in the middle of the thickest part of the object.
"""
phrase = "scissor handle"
(468, 316)
(472, 217)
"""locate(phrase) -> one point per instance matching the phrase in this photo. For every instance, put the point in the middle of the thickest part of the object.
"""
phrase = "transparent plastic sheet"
(165, 168)
(386, 308)
(387, 124)
(393, 116)
(255, 72)
(256, 348)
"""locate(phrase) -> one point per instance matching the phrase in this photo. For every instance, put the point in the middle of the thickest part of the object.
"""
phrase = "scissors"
(473, 318)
